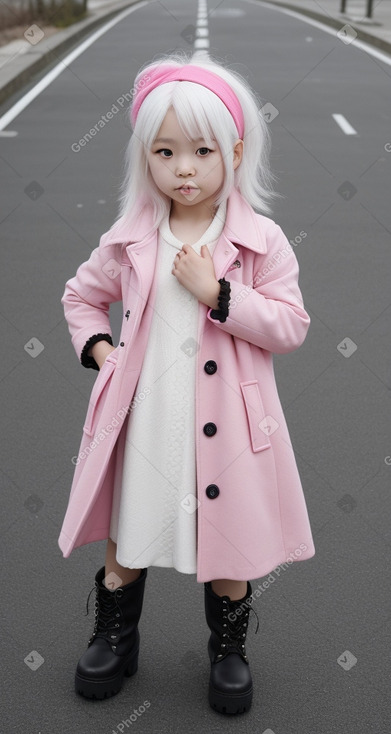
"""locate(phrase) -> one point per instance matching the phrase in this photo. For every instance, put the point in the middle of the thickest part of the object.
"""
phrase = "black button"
(210, 429)
(122, 344)
(212, 491)
(210, 367)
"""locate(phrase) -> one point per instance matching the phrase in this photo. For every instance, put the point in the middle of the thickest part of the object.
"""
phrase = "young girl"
(185, 459)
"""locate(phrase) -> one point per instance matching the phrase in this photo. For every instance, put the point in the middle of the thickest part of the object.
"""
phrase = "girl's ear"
(238, 153)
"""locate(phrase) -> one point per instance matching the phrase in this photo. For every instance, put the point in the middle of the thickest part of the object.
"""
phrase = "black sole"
(226, 703)
(105, 688)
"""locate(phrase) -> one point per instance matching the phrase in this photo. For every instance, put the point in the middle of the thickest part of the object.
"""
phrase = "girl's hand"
(99, 351)
(197, 274)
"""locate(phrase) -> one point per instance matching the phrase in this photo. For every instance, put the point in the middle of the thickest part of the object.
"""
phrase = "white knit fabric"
(154, 510)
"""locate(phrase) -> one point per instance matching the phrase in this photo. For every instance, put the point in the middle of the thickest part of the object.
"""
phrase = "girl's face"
(175, 161)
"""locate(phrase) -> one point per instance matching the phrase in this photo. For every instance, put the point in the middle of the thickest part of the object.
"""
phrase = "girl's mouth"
(186, 190)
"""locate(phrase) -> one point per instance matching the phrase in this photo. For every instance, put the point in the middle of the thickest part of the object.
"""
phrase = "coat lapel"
(242, 226)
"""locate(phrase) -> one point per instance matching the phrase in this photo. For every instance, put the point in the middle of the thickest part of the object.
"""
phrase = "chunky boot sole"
(107, 687)
(230, 682)
(230, 703)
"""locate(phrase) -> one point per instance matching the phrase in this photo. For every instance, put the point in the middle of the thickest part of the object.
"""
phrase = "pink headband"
(189, 73)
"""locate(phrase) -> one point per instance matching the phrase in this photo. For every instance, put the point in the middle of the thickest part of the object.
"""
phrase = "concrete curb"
(51, 50)
(338, 23)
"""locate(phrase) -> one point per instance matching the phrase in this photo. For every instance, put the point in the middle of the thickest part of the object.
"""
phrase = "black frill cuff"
(223, 300)
(89, 361)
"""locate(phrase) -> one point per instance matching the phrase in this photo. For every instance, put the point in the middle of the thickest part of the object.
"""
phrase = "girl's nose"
(184, 168)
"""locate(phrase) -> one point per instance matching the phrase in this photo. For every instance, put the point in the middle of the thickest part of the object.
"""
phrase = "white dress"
(154, 510)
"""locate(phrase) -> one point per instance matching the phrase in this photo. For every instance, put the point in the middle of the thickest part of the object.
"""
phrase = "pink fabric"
(189, 73)
(259, 518)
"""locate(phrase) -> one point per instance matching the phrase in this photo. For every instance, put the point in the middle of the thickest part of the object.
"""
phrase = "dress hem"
(158, 564)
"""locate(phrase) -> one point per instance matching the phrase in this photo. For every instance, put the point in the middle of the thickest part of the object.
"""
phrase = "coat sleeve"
(87, 297)
(269, 312)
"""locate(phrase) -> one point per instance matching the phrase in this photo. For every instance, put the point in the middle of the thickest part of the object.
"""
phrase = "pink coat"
(251, 514)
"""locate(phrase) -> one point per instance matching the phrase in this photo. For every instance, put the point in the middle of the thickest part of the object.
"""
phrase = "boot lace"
(107, 615)
(235, 630)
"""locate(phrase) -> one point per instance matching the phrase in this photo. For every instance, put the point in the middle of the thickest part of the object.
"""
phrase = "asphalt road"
(321, 658)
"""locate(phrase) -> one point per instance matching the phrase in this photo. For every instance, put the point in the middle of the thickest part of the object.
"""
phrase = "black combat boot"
(113, 648)
(230, 684)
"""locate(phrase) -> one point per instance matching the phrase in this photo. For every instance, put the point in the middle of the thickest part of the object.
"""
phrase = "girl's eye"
(163, 150)
(167, 150)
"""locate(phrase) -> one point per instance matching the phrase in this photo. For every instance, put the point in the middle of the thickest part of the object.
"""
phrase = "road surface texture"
(321, 661)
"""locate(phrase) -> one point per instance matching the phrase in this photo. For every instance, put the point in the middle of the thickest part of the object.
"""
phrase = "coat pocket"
(100, 383)
(255, 415)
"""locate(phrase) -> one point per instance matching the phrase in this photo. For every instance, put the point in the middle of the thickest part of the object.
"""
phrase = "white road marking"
(54, 73)
(327, 29)
(202, 32)
(200, 43)
(344, 125)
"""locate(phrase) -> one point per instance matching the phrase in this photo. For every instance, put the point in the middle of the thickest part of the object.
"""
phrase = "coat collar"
(242, 226)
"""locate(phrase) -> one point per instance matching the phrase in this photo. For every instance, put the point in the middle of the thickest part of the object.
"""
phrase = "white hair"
(200, 113)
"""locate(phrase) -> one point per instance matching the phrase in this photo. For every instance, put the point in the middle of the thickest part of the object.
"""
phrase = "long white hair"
(200, 113)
